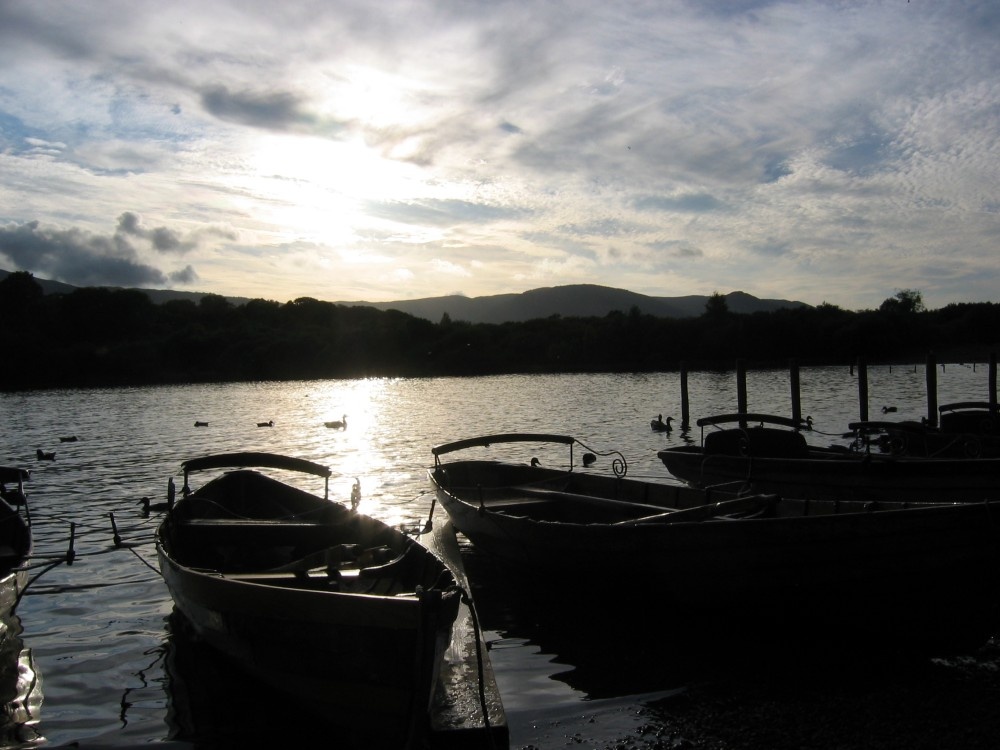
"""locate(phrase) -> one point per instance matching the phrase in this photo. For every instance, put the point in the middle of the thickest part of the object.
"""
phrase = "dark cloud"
(687, 203)
(186, 275)
(21, 24)
(280, 110)
(128, 223)
(83, 259)
(162, 239)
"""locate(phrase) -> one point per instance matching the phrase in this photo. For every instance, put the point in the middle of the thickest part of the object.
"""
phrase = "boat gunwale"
(251, 459)
(220, 592)
(865, 507)
(508, 437)
(798, 424)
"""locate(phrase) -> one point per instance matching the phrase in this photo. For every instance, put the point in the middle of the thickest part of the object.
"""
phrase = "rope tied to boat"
(480, 662)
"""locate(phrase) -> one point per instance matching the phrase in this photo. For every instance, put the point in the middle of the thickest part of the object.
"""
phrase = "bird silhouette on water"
(43, 456)
(659, 425)
(151, 507)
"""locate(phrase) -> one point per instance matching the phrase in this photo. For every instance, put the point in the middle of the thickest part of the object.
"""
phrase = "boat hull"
(348, 659)
(928, 574)
(841, 475)
(355, 642)
(15, 539)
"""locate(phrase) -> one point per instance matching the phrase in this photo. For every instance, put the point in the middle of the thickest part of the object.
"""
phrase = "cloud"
(676, 249)
(690, 202)
(162, 239)
(443, 212)
(185, 276)
(276, 110)
(83, 259)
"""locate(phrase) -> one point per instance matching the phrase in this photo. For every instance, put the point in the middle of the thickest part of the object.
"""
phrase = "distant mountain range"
(575, 300)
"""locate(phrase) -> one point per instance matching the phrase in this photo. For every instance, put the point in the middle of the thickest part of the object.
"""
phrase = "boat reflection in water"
(213, 702)
(20, 687)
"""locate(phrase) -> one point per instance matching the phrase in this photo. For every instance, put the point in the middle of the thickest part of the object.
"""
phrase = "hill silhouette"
(100, 337)
(572, 300)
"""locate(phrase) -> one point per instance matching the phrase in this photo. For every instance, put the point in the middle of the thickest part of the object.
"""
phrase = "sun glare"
(317, 188)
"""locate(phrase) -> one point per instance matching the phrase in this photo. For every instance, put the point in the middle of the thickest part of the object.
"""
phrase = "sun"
(316, 188)
(321, 187)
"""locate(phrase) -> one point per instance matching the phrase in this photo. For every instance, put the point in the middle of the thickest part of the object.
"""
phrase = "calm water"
(98, 629)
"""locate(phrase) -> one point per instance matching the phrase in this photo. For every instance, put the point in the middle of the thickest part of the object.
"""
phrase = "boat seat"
(759, 442)
(209, 532)
(574, 497)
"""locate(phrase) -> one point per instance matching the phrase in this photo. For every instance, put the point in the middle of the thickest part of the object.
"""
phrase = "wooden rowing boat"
(766, 453)
(968, 429)
(927, 571)
(15, 537)
(348, 614)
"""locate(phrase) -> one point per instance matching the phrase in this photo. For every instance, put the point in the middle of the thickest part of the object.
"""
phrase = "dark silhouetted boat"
(766, 453)
(15, 537)
(346, 613)
(969, 429)
(923, 573)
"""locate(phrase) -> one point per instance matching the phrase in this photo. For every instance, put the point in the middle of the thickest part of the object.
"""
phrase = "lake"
(99, 634)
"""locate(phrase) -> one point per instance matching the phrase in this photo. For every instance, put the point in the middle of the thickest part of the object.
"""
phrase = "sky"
(350, 150)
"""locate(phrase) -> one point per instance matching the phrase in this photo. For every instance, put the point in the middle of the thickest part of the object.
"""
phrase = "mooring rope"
(480, 664)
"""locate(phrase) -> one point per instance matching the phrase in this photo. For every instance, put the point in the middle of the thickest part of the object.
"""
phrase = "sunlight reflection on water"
(97, 628)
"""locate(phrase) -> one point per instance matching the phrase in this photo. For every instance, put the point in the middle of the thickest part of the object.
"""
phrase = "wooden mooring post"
(931, 376)
(863, 389)
(685, 411)
(793, 376)
(993, 381)
(741, 389)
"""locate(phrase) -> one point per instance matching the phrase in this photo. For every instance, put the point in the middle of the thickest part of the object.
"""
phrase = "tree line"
(96, 337)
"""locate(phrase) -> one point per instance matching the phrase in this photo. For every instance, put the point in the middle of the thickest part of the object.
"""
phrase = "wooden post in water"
(993, 381)
(931, 375)
(793, 373)
(685, 416)
(863, 388)
(741, 389)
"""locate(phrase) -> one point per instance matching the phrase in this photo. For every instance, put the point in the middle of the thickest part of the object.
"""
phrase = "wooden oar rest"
(723, 510)
(345, 566)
